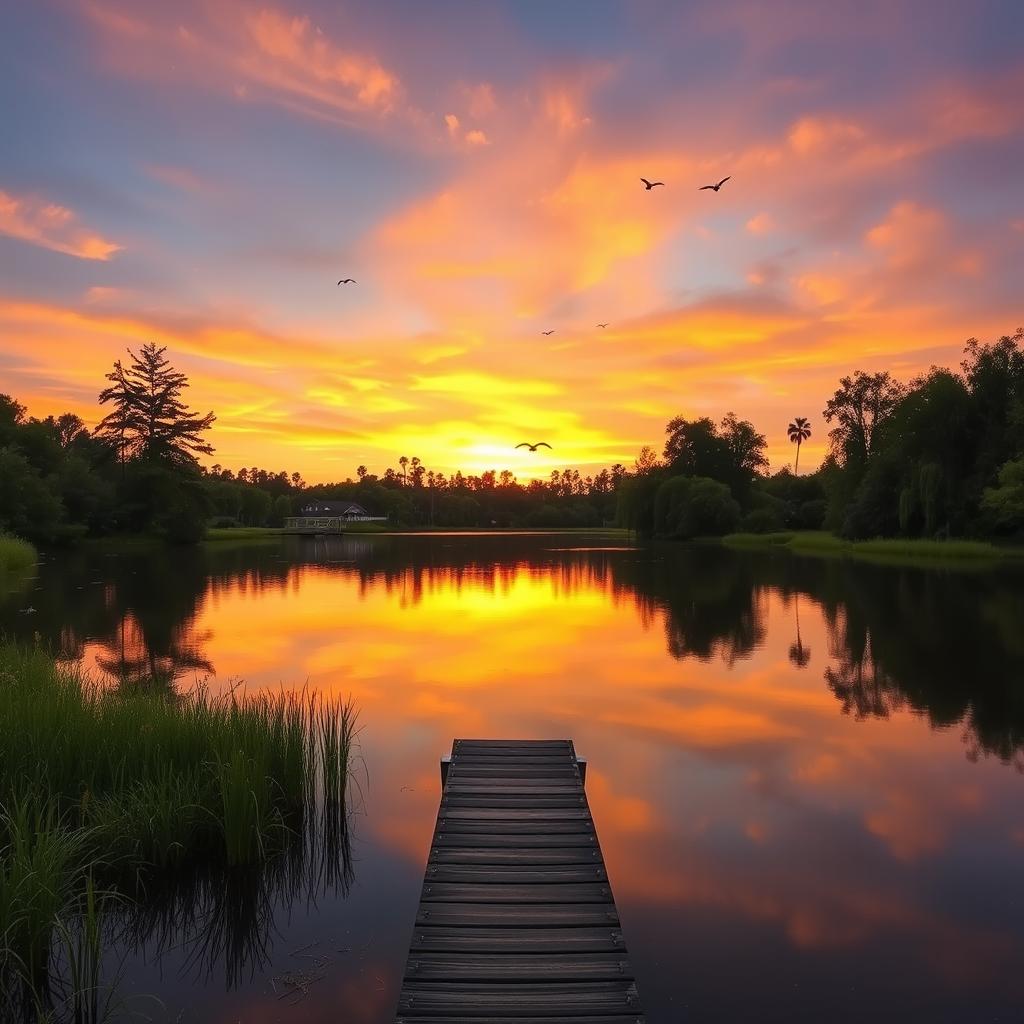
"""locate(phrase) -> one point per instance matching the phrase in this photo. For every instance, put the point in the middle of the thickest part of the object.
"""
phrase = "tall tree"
(799, 430)
(149, 419)
(860, 407)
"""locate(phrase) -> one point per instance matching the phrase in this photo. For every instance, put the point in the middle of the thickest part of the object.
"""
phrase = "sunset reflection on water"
(805, 805)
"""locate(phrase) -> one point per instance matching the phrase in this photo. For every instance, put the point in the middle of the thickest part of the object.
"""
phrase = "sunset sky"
(201, 173)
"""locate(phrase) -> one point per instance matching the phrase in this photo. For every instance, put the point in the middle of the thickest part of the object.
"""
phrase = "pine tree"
(149, 420)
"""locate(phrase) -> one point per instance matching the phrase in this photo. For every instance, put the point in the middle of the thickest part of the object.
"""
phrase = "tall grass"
(117, 787)
(16, 555)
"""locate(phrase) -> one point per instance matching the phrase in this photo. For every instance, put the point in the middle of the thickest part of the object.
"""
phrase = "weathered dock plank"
(516, 919)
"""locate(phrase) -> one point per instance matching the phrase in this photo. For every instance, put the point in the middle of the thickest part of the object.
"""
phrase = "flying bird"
(651, 184)
(533, 447)
(547, 332)
(347, 280)
(602, 325)
(715, 187)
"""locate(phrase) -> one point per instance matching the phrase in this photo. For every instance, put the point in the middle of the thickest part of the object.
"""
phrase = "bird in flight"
(715, 187)
(533, 447)
(651, 184)
(347, 280)
(547, 332)
(602, 325)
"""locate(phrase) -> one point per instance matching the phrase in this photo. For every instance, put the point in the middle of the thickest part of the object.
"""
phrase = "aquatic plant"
(113, 787)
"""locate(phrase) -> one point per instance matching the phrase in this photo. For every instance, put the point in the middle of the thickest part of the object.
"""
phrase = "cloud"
(255, 55)
(760, 224)
(51, 226)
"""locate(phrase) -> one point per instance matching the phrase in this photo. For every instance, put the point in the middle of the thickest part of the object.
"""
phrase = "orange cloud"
(51, 226)
(264, 54)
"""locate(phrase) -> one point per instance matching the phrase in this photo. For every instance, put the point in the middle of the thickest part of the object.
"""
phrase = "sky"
(200, 174)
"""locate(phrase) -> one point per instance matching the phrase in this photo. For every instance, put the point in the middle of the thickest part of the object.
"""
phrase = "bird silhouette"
(547, 332)
(347, 280)
(533, 447)
(715, 187)
(651, 184)
(602, 325)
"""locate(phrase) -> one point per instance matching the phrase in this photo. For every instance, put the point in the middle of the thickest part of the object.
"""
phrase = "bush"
(182, 524)
(811, 515)
(686, 507)
(762, 520)
(1003, 506)
(16, 555)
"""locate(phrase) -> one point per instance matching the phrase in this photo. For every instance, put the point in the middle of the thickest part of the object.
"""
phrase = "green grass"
(16, 555)
(105, 787)
(896, 549)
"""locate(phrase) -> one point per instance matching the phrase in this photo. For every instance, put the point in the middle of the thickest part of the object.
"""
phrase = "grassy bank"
(16, 555)
(101, 790)
(813, 542)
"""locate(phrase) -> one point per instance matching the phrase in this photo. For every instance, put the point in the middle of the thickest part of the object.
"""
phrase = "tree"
(647, 460)
(799, 430)
(149, 420)
(1004, 505)
(403, 462)
(69, 428)
(694, 448)
(686, 507)
(860, 408)
(361, 472)
(28, 506)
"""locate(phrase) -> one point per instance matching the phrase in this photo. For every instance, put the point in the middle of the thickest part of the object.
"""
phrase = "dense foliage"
(939, 457)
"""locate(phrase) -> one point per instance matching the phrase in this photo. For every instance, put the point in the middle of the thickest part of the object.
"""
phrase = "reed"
(102, 786)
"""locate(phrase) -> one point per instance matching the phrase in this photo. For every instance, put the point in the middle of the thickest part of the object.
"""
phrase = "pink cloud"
(266, 54)
(51, 226)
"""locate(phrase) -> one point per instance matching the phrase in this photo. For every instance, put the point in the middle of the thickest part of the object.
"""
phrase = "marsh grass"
(124, 791)
(16, 555)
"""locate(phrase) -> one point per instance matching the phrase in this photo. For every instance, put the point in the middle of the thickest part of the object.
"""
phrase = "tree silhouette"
(149, 419)
(860, 407)
(799, 430)
(798, 654)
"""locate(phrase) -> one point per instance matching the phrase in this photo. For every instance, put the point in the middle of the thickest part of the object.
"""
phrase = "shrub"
(762, 520)
(686, 507)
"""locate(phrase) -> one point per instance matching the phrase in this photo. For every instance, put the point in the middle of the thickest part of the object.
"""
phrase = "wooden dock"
(516, 919)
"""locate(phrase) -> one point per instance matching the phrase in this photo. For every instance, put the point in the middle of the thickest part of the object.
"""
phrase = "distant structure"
(319, 516)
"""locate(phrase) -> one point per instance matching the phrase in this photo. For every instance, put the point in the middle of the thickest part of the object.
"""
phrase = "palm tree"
(799, 430)
(798, 654)
(403, 462)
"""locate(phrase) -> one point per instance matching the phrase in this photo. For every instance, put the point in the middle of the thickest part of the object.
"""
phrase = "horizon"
(225, 165)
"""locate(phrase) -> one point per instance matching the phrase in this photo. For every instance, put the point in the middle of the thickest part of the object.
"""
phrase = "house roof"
(339, 508)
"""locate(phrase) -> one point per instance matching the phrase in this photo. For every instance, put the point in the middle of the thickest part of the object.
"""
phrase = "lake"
(807, 774)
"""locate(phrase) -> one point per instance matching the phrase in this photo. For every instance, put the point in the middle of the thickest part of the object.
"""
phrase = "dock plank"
(516, 919)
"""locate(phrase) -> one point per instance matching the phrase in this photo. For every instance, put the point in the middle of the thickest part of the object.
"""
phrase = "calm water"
(807, 775)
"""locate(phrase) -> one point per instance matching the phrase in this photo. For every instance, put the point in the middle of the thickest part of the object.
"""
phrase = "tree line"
(138, 471)
(940, 456)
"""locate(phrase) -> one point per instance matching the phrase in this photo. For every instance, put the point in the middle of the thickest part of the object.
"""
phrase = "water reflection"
(944, 643)
(776, 748)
